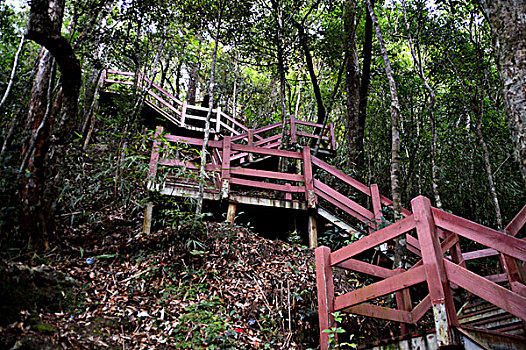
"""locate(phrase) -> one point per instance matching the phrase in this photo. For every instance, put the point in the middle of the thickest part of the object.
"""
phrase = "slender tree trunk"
(431, 109)
(508, 25)
(399, 260)
(202, 168)
(364, 88)
(352, 85)
(321, 112)
(13, 71)
(192, 83)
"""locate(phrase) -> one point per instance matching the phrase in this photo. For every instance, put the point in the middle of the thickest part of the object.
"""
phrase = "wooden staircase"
(242, 169)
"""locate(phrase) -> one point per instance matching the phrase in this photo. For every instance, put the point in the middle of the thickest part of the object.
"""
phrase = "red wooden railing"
(438, 270)
(192, 117)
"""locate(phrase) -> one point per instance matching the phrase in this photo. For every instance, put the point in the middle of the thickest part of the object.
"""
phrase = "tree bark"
(400, 251)
(202, 168)
(508, 24)
(352, 85)
(364, 87)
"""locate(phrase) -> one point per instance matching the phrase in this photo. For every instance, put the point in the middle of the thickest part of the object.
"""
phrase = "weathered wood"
(502, 242)
(378, 289)
(381, 312)
(231, 213)
(374, 239)
(147, 223)
(325, 287)
(268, 151)
(342, 201)
(477, 254)
(266, 174)
(267, 186)
(370, 269)
(341, 175)
(310, 196)
(487, 290)
(313, 232)
(517, 222)
(420, 310)
(311, 136)
(183, 114)
(377, 203)
(437, 282)
(225, 168)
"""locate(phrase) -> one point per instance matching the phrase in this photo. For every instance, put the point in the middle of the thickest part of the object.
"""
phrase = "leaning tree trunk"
(508, 25)
(202, 168)
(395, 140)
(352, 85)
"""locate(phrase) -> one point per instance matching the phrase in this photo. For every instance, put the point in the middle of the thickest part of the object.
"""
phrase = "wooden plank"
(420, 310)
(225, 168)
(267, 186)
(517, 223)
(310, 196)
(433, 259)
(262, 142)
(267, 202)
(325, 287)
(413, 245)
(183, 114)
(229, 128)
(341, 175)
(234, 121)
(341, 199)
(129, 74)
(337, 203)
(301, 122)
(189, 165)
(267, 128)
(386, 201)
(163, 101)
(377, 203)
(263, 150)
(378, 289)
(373, 240)
(309, 135)
(381, 312)
(502, 242)
(370, 269)
(113, 81)
(266, 174)
(487, 290)
(477, 254)
(172, 97)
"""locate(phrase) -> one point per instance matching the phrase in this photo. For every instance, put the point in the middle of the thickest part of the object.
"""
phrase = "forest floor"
(195, 286)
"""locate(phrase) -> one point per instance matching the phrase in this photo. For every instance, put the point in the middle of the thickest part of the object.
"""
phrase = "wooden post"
(331, 137)
(218, 120)
(183, 114)
(293, 136)
(147, 223)
(313, 232)
(225, 167)
(288, 194)
(310, 196)
(433, 259)
(377, 204)
(231, 214)
(508, 263)
(325, 286)
(251, 144)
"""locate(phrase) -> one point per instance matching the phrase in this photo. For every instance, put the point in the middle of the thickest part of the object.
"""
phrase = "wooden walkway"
(242, 169)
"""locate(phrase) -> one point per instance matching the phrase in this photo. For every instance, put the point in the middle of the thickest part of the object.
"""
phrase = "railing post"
(509, 264)
(154, 158)
(225, 167)
(250, 133)
(183, 114)
(218, 120)
(325, 286)
(437, 282)
(331, 137)
(103, 77)
(293, 136)
(310, 196)
(377, 204)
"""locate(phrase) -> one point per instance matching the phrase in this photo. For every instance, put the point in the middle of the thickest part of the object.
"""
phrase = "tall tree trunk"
(364, 87)
(508, 26)
(192, 83)
(32, 185)
(352, 85)
(321, 112)
(431, 108)
(395, 140)
(202, 168)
